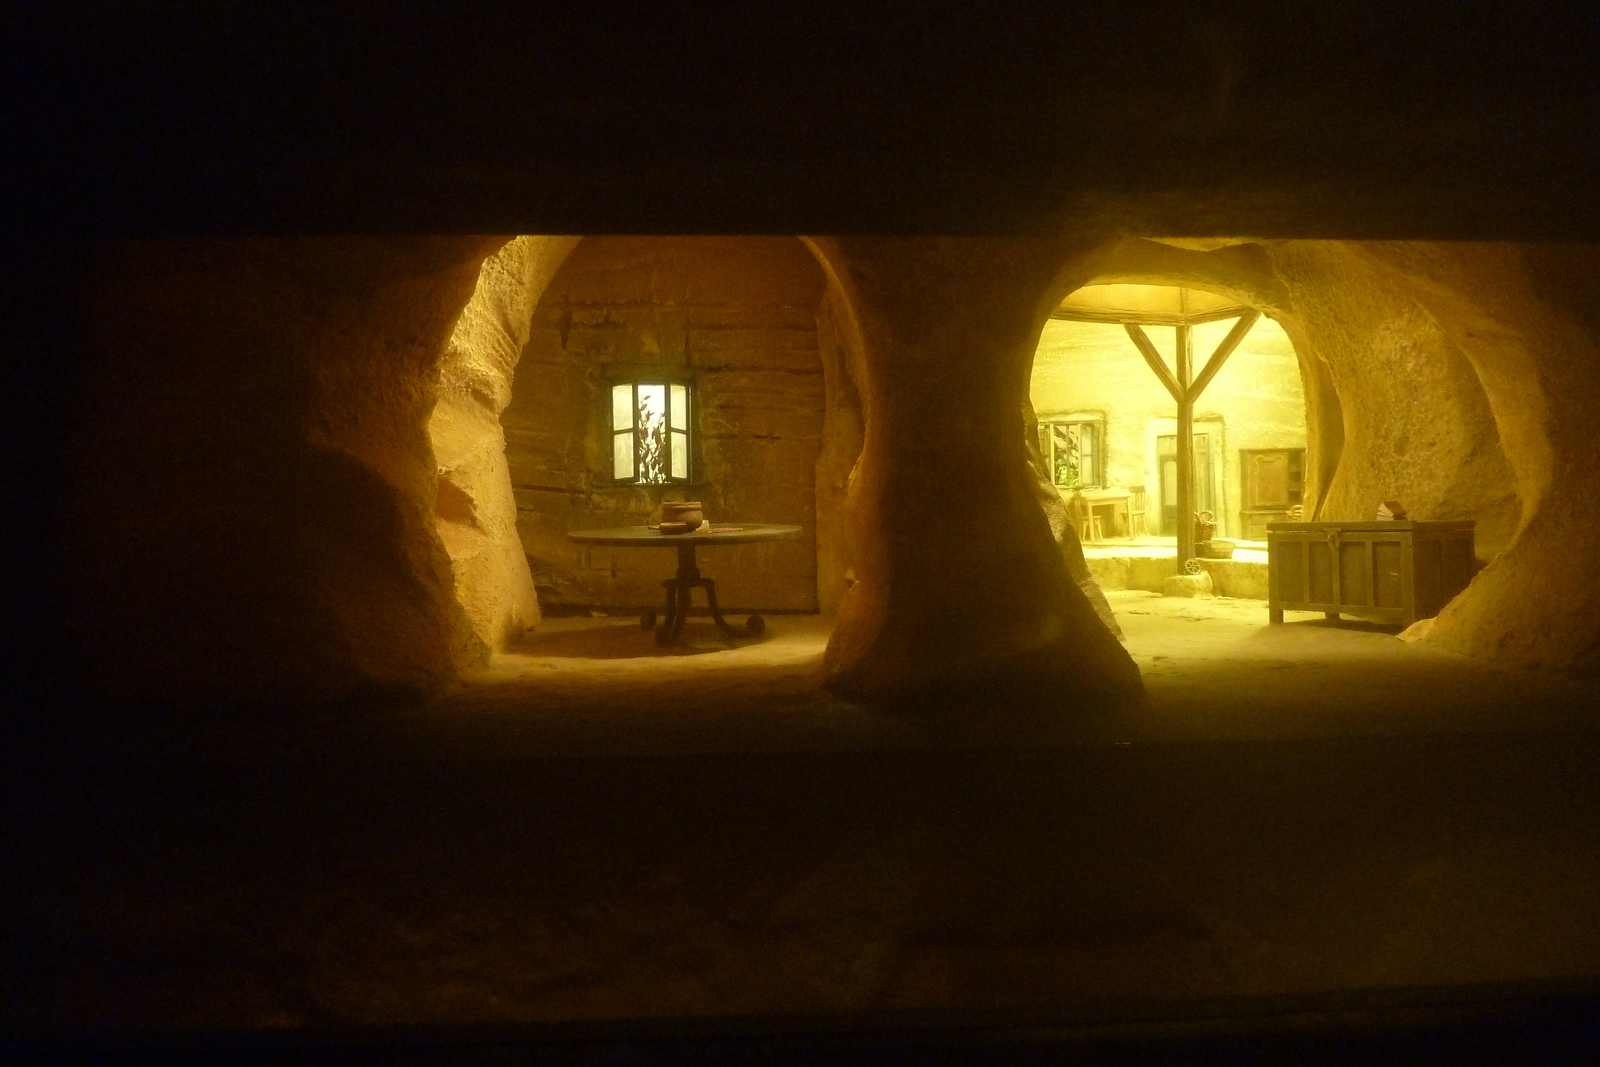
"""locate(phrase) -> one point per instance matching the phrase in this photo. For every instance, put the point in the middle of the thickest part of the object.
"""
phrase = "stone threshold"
(1245, 579)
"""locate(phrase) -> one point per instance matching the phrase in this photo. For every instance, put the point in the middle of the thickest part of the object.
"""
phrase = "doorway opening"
(1123, 372)
(642, 374)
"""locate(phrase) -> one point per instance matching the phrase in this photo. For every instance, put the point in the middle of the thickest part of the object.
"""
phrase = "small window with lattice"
(651, 431)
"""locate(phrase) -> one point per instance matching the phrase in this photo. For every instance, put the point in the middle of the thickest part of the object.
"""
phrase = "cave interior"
(325, 727)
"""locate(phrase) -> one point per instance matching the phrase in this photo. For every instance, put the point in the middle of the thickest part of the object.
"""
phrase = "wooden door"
(1167, 459)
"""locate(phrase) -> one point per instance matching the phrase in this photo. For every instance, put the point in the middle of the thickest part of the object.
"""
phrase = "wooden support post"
(1185, 390)
(1141, 341)
(1185, 529)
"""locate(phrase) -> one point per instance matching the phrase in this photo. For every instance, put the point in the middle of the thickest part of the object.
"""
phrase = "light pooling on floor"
(1213, 669)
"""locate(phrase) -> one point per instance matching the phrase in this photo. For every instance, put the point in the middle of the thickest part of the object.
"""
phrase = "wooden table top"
(728, 533)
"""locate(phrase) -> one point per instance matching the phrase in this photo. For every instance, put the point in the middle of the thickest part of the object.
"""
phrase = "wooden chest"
(1396, 571)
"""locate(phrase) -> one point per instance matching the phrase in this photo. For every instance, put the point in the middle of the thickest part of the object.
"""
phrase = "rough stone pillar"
(476, 513)
(1528, 319)
(839, 344)
(248, 509)
(961, 589)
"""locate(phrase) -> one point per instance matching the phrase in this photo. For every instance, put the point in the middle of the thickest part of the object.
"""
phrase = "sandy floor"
(1214, 669)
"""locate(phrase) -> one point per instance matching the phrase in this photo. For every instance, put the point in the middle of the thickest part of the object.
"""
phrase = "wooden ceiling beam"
(1221, 313)
(1146, 318)
(1224, 350)
(1141, 341)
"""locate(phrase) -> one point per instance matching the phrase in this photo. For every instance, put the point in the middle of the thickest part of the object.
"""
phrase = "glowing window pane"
(652, 424)
(622, 455)
(680, 408)
(622, 407)
(680, 453)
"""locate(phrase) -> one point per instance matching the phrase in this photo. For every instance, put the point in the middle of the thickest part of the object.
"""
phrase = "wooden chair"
(1084, 520)
(1136, 524)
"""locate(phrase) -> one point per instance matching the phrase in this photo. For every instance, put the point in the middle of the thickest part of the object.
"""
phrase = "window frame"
(669, 381)
(1096, 422)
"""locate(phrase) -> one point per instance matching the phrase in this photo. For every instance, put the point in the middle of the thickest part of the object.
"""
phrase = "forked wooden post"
(1185, 391)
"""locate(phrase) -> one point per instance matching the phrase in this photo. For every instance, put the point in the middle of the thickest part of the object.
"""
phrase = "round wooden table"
(688, 577)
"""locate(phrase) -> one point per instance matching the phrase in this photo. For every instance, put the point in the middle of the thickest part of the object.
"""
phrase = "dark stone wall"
(247, 502)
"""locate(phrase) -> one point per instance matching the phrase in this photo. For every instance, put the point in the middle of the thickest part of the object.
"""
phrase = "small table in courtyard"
(1110, 510)
(688, 576)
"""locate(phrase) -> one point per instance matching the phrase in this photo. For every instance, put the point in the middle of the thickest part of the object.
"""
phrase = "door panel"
(1204, 493)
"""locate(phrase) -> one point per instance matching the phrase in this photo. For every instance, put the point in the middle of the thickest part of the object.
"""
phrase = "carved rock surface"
(961, 589)
(249, 506)
(476, 511)
(1527, 316)
(252, 505)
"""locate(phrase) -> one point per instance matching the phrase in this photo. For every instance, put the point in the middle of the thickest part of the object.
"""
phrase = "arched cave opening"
(283, 495)
(1107, 427)
(1118, 369)
(524, 436)
(1306, 394)
(304, 475)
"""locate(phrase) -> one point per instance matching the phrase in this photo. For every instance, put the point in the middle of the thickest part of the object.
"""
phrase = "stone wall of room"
(1257, 398)
(740, 315)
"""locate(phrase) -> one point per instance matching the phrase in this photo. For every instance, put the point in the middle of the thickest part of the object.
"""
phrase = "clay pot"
(684, 511)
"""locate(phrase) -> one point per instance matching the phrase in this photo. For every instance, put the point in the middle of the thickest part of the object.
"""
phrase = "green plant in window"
(1074, 453)
(652, 440)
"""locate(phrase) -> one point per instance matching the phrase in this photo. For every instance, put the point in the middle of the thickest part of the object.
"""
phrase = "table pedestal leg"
(679, 590)
(677, 612)
(711, 599)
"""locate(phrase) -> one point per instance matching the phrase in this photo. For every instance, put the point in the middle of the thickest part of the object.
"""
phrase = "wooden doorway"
(1167, 467)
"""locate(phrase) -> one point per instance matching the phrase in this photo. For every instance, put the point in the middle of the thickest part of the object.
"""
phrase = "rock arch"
(1459, 378)
(475, 512)
(251, 501)
(961, 588)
